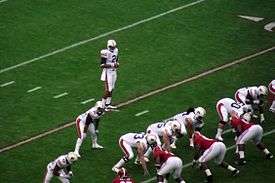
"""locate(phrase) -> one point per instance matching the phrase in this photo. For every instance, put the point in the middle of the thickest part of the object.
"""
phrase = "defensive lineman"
(109, 65)
(271, 98)
(61, 167)
(88, 122)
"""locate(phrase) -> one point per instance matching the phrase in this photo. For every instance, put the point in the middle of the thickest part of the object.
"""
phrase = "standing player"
(123, 177)
(245, 132)
(207, 149)
(167, 163)
(253, 97)
(109, 65)
(60, 167)
(88, 122)
(190, 120)
(225, 107)
(140, 142)
(271, 98)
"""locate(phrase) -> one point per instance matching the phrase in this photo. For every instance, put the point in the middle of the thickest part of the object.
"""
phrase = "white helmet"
(71, 157)
(262, 90)
(151, 139)
(99, 104)
(175, 125)
(111, 43)
(200, 112)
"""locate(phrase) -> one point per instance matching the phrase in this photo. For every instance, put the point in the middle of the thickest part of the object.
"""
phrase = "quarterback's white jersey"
(134, 138)
(226, 106)
(111, 58)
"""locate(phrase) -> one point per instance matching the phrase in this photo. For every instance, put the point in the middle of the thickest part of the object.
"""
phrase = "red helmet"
(122, 173)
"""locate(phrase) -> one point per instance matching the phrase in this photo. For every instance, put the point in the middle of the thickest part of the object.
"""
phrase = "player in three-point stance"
(60, 167)
(109, 64)
(123, 177)
(88, 122)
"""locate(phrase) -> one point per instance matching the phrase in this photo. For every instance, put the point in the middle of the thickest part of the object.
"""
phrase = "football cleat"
(269, 156)
(115, 169)
(235, 172)
(173, 146)
(97, 146)
(219, 138)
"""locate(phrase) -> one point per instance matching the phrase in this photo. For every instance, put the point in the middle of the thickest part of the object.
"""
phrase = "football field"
(173, 55)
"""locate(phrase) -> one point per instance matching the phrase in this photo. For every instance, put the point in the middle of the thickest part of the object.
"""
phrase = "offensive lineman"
(61, 167)
(252, 97)
(271, 88)
(88, 122)
(109, 64)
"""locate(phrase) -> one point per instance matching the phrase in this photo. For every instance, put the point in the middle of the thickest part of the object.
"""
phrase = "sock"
(231, 168)
(219, 132)
(120, 163)
(108, 101)
(77, 145)
(262, 117)
(241, 153)
(266, 151)
(103, 100)
(208, 172)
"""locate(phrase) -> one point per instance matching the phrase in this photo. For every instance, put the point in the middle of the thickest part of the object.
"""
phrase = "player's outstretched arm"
(140, 151)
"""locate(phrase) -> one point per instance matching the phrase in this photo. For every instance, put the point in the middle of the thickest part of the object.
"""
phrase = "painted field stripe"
(7, 84)
(34, 89)
(87, 101)
(101, 36)
(190, 164)
(60, 95)
(141, 113)
(160, 90)
(3, 1)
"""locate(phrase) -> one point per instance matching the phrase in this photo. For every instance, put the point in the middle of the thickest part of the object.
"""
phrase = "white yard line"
(147, 95)
(101, 36)
(7, 84)
(60, 95)
(3, 1)
(34, 89)
(190, 164)
(141, 113)
(87, 101)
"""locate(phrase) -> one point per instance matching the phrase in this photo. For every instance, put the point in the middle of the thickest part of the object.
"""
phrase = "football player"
(207, 149)
(167, 163)
(140, 142)
(271, 98)
(253, 97)
(123, 177)
(60, 167)
(190, 120)
(109, 64)
(225, 107)
(88, 122)
(245, 132)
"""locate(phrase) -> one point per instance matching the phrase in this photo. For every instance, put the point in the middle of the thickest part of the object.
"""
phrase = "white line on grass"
(7, 84)
(211, 71)
(34, 89)
(101, 36)
(190, 164)
(60, 95)
(141, 113)
(3, 1)
(87, 101)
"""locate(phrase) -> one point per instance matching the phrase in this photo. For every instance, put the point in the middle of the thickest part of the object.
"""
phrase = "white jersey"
(247, 93)
(111, 58)
(61, 162)
(134, 138)
(93, 112)
(159, 128)
(230, 105)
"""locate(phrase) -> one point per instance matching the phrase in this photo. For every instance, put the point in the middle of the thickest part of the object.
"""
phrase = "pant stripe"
(210, 149)
(237, 97)
(78, 128)
(242, 135)
(218, 108)
(123, 148)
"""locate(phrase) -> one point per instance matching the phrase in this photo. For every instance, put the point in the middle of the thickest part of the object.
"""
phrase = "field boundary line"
(210, 71)
(190, 163)
(101, 36)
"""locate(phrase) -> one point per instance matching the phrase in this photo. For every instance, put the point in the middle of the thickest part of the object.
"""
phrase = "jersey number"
(113, 58)
(139, 136)
(235, 105)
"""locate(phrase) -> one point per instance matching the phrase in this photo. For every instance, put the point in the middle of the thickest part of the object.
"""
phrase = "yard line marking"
(7, 84)
(141, 113)
(190, 164)
(156, 91)
(3, 1)
(86, 101)
(60, 95)
(34, 89)
(101, 36)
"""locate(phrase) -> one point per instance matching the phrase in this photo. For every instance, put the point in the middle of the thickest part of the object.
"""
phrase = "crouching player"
(246, 131)
(123, 177)
(167, 163)
(61, 167)
(207, 149)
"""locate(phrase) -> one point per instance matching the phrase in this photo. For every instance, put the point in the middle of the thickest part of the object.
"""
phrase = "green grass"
(155, 54)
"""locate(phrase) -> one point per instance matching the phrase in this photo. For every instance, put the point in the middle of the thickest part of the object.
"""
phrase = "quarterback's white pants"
(216, 151)
(222, 112)
(126, 149)
(172, 165)
(49, 175)
(110, 76)
(254, 133)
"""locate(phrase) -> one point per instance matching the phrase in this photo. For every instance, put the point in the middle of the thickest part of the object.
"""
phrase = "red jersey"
(201, 141)
(123, 180)
(240, 125)
(162, 155)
